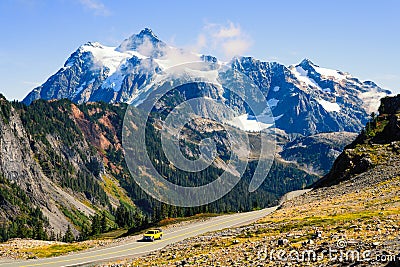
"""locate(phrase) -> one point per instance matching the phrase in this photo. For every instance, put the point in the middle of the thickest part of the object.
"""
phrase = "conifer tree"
(96, 225)
(103, 222)
(69, 236)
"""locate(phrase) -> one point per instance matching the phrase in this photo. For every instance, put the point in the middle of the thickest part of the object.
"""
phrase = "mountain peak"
(89, 46)
(145, 42)
(147, 32)
(306, 63)
(93, 44)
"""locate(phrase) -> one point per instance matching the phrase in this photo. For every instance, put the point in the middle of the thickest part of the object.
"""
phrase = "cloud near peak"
(226, 39)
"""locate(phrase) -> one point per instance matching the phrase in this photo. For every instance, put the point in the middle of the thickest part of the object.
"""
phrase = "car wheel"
(152, 239)
(160, 237)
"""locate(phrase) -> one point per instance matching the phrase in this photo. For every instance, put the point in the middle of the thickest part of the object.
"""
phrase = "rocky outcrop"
(375, 146)
(50, 151)
(390, 110)
(390, 105)
(18, 164)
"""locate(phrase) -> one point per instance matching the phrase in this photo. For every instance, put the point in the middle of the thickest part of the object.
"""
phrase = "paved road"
(135, 248)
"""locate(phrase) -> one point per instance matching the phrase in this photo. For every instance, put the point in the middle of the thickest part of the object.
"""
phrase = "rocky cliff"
(378, 144)
(53, 167)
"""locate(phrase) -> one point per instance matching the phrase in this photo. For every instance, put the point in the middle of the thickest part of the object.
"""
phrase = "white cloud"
(98, 7)
(235, 47)
(201, 41)
(146, 48)
(228, 40)
(230, 31)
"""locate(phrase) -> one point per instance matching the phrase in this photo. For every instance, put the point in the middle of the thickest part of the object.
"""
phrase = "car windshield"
(150, 232)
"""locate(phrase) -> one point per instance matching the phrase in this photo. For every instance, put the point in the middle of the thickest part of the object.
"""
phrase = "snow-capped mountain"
(304, 99)
(308, 99)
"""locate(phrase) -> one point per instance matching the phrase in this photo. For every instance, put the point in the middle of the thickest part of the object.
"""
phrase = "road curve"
(134, 248)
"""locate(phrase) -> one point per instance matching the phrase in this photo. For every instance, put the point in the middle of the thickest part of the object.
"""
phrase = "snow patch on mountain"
(329, 106)
(83, 85)
(273, 102)
(329, 73)
(107, 56)
(175, 75)
(301, 75)
(248, 123)
(114, 81)
(372, 99)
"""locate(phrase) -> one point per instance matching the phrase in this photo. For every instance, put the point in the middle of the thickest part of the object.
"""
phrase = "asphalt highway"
(135, 248)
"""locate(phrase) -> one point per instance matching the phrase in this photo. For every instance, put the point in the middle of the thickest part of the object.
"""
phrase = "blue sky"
(360, 37)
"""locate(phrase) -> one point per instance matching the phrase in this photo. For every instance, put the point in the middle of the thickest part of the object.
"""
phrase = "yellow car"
(152, 235)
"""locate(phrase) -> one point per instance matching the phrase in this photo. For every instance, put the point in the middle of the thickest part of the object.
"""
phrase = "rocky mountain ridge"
(300, 100)
(303, 99)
